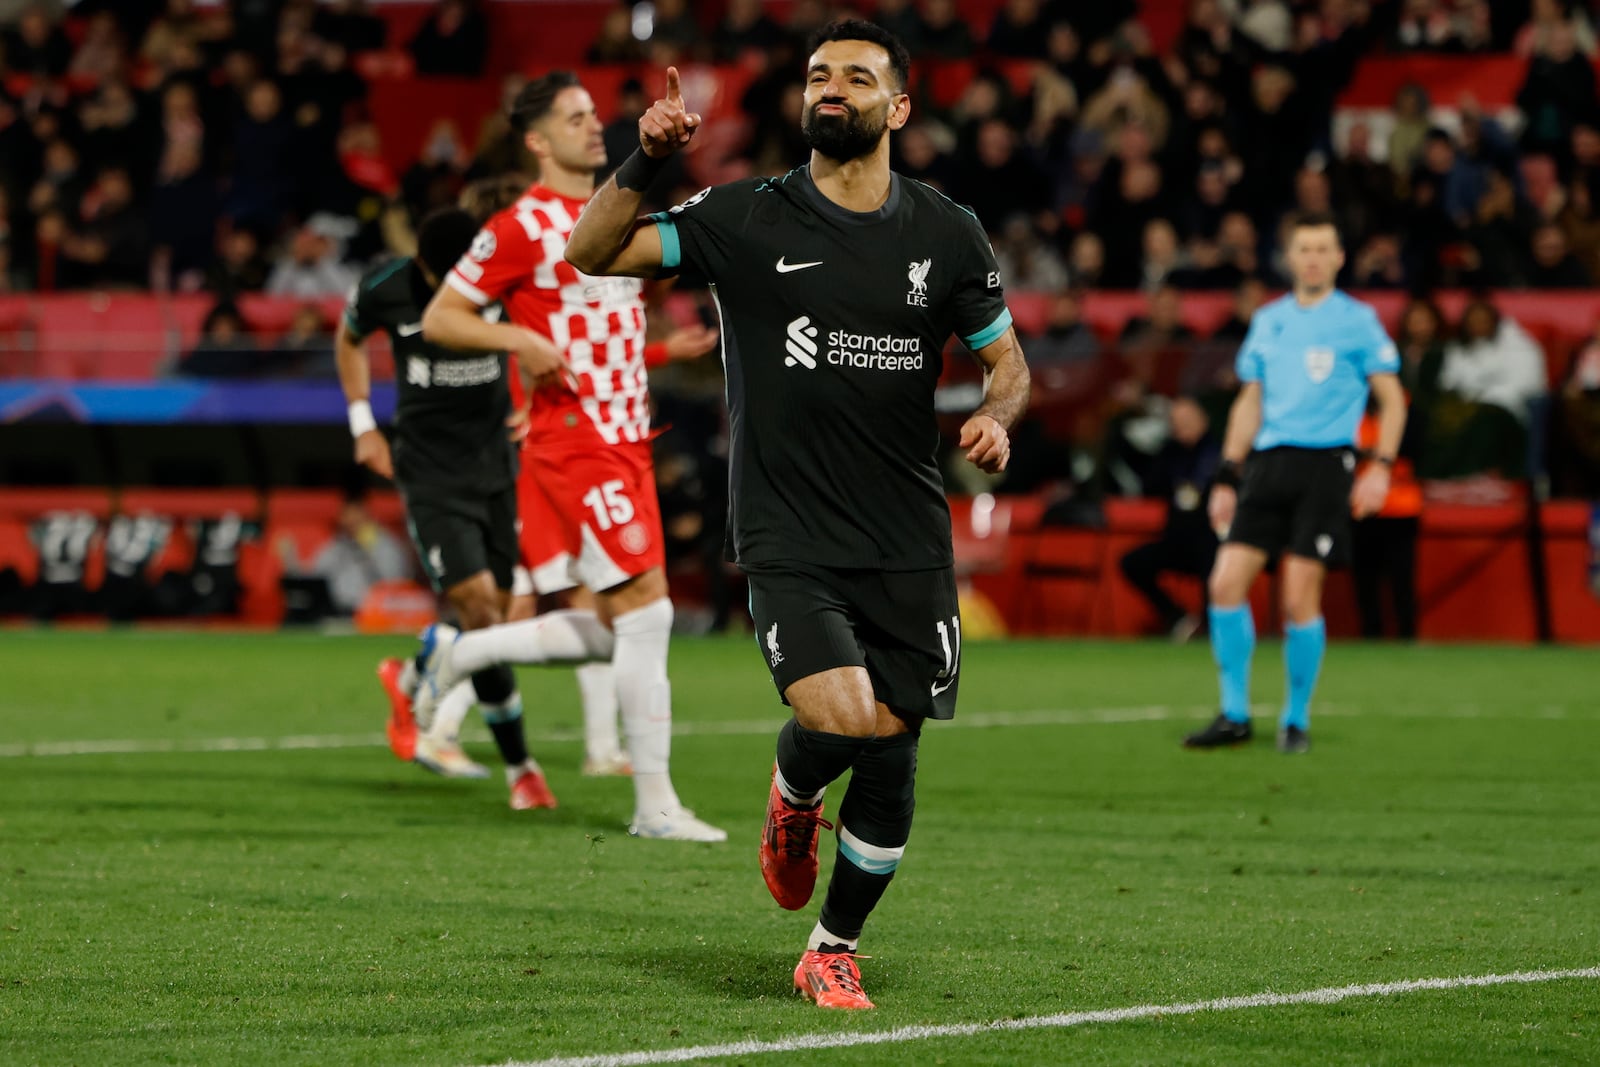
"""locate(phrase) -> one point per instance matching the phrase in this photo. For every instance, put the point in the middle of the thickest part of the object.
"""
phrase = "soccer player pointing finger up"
(839, 285)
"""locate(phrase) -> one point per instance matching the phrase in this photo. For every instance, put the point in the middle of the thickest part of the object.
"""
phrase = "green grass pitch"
(330, 905)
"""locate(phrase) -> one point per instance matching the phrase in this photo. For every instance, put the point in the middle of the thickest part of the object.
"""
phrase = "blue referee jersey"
(1313, 364)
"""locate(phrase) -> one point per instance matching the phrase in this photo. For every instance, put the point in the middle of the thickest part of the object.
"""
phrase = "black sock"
(508, 738)
(810, 760)
(874, 825)
(496, 688)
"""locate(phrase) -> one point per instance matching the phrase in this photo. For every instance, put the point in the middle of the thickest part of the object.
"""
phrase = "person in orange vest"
(1384, 546)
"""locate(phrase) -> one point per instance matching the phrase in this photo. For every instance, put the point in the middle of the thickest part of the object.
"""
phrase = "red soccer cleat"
(402, 728)
(831, 979)
(531, 791)
(789, 849)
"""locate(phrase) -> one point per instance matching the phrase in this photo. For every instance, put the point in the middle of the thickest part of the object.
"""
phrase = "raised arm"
(355, 378)
(610, 238)
(1006, 386)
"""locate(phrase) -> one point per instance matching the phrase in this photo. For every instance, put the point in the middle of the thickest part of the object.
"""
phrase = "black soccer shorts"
(1297, 500)
(458, 535)
(904, 627)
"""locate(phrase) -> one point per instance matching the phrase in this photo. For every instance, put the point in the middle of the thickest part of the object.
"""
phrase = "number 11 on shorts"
(950, 642)
(611, 505)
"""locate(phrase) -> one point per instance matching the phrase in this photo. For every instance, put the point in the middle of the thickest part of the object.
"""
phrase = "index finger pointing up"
(674, 93)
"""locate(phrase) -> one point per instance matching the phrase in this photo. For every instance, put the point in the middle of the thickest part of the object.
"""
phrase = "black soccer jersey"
(450, 418)
(834, 324)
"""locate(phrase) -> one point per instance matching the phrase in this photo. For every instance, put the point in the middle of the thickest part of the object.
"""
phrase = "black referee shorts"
(904, 627)
(1297, 500)
(458, 535)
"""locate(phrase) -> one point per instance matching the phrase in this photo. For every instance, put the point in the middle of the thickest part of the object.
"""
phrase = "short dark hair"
(488, 196)
(535, 99)
(872, 33)
(1309, 220)
(444, 237)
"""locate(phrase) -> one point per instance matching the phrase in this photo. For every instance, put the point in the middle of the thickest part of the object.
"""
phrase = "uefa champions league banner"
(182, 402)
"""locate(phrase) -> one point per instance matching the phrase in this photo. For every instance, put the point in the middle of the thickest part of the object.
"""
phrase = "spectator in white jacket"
(1494, 361)
(313, 266)
(1482, 398)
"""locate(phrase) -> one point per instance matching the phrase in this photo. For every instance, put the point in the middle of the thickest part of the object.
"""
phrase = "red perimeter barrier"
(1474, 581)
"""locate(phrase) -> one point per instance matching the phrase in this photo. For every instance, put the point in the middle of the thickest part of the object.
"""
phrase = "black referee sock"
(874, 825)
(810, 760)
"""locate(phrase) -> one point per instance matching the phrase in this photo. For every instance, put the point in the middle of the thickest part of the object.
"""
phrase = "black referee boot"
(1223, 731)
(1293, 739)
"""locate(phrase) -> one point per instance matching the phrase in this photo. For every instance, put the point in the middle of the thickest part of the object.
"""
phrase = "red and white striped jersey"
(598, 322)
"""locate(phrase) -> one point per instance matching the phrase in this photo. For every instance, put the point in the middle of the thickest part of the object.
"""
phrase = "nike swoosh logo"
(785, 268)
(410, 329)
(937, 688)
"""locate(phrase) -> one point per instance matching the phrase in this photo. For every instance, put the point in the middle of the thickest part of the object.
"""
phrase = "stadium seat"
(305, 516)
(981, 532)
(269, 316)
(943, 81)
(387, 64)
(101, 335)
(17, 355)
(187, 314)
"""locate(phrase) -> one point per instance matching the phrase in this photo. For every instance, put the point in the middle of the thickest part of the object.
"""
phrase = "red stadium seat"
(17, 354)
(101, 335)
(187, 314)
(943, 81)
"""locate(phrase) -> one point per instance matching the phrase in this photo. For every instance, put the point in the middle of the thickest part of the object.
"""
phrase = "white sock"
(598, 684)
(646, 699)
(820, 936)
(799, 800)
(408, 676)
(517, 770)
(451, 711)
(559, 637)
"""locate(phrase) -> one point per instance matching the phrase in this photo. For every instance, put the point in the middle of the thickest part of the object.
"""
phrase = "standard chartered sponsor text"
(874, 352)
(466, 372)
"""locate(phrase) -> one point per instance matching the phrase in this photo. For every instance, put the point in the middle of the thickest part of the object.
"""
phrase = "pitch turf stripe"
(748, 727)
(810, 1042)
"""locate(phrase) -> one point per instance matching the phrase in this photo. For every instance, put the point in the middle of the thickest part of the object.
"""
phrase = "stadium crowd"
(154, 144)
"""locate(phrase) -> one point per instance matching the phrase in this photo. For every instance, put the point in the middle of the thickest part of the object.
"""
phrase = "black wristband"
(1387, 461)
(1228, 474)
(638, 171)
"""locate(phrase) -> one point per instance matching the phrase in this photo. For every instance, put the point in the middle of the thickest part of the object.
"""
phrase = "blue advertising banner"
(182, 402)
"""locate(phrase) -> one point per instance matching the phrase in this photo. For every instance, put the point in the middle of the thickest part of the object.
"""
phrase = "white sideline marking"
(745, 727)
(982, 720)
(808, 1042)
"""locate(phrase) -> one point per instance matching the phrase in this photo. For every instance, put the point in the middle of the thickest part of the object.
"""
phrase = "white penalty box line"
(811, 1042)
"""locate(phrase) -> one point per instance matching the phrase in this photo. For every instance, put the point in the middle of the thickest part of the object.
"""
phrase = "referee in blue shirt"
(1286, 484)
